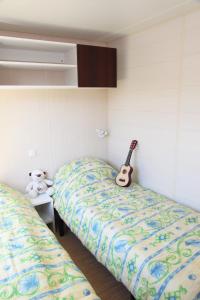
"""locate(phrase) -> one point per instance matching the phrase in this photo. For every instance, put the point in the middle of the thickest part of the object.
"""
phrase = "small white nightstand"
(44, 206)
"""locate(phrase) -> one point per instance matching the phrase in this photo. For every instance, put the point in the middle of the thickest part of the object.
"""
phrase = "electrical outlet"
(32, 153)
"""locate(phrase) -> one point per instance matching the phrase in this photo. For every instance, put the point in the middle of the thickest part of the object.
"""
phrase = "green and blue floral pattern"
(33, 265)
(150, 243)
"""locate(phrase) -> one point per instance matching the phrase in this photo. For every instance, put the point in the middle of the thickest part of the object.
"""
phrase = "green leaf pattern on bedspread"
(150, 243)
(33, 265)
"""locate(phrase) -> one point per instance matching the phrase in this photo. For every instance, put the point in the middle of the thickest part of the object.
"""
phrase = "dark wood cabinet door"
(96, 66)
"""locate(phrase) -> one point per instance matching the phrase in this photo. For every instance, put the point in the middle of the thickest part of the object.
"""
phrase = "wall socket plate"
(32, 153)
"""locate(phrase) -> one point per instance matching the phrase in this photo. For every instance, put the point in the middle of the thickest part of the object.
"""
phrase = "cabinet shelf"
(40, 87)
(35, 65)
(34, 44)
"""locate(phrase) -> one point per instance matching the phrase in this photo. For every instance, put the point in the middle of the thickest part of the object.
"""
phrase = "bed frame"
(61, 227)
(59, 223)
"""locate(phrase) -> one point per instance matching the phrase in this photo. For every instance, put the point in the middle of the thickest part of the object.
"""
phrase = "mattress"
(148, 242)
(33, 265)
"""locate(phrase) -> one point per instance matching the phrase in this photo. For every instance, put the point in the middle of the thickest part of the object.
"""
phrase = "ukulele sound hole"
(124, 172)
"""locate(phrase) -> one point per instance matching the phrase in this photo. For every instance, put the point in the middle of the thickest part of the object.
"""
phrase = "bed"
(148, 242)
(33, 265)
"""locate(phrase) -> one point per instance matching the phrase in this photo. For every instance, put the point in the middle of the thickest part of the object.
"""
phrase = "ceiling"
(92, 20)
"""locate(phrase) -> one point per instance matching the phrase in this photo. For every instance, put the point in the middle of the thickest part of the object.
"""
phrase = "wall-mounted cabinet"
(96, 66)
(29, 62)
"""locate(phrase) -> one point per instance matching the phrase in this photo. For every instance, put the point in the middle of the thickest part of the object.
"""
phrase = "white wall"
(60, 125)
(158, 102)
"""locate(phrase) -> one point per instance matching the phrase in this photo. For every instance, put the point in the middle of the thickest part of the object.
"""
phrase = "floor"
(105, 285)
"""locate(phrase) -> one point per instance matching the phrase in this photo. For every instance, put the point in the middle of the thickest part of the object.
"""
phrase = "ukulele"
(124, 177)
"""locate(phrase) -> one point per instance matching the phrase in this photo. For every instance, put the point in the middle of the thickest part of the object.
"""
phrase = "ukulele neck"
(127, 163)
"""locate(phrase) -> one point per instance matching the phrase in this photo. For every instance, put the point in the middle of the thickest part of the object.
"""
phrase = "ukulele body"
(123, 179)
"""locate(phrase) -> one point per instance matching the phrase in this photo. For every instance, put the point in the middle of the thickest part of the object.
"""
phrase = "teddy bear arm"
(29, 187)
(48, 182)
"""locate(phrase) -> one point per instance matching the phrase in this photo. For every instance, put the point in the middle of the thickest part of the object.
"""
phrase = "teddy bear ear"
(30, 173)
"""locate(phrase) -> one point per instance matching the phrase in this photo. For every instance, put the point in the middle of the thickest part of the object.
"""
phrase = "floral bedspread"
(150, 243)
(33, 265)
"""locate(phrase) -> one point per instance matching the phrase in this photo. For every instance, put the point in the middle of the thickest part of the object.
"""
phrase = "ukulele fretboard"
(127, 163)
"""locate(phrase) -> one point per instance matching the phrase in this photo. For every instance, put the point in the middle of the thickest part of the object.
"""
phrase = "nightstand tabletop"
(41, 199)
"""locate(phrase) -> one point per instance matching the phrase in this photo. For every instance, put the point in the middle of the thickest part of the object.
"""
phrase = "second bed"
(150, 243)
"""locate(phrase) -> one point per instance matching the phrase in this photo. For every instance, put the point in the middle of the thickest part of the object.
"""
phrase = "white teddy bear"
(39, 184)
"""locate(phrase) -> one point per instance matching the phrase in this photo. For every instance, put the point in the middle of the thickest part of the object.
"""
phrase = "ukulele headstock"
(133, 144)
